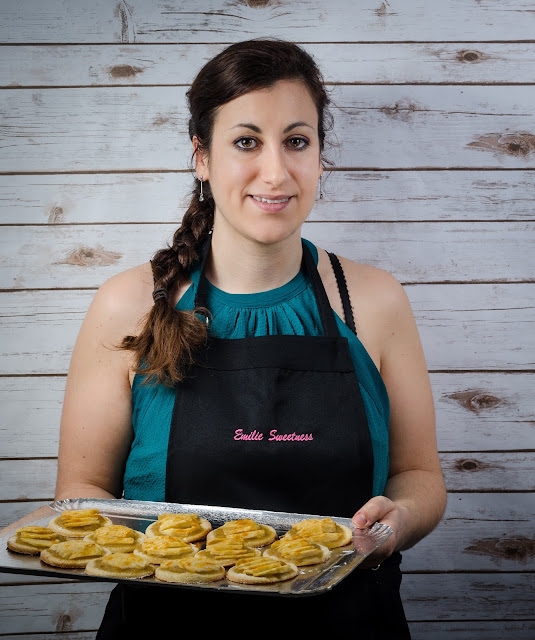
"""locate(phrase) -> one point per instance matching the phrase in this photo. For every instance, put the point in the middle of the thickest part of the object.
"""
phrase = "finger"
(372, 511)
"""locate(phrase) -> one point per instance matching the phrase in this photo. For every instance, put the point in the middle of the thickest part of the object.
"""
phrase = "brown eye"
(298, 144)
(246, 143)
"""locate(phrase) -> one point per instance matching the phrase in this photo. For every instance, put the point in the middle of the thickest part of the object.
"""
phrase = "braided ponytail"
(165, 348)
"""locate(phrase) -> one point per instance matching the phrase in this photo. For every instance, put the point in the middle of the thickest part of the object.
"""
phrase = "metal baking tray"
(138, 515)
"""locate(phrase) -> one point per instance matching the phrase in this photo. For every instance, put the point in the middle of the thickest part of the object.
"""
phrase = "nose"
(273, 168)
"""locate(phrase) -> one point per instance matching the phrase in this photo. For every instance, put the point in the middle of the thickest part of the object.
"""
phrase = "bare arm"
(415, 496)
(96, 430)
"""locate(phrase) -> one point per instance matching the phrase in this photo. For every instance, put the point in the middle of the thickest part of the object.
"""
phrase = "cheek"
(230, 174)
(309, 178)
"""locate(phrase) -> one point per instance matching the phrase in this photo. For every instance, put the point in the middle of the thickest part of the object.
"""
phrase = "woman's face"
(265, 145)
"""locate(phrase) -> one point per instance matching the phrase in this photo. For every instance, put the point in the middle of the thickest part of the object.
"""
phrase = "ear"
(201, 160)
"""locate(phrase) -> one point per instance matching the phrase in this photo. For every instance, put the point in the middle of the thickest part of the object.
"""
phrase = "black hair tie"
(158, 294)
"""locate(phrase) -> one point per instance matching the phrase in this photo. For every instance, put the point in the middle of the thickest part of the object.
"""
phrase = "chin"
(273, 234)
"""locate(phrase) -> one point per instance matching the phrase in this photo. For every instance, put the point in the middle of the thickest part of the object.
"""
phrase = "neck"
(251, 267)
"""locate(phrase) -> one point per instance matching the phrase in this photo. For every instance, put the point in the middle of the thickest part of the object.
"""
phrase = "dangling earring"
(321, 191)
(201, 197)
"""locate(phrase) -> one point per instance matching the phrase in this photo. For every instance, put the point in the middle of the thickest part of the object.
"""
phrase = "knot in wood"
(468, 465)
(64, 623)
(481, 401)
(469, 56)
(518, 147)
(475, 400)
(124, 71)
(255, 4)
(56, 215)
(91, 257)
(518, 144)
(518, 548)
(403, 109)
(86, 252)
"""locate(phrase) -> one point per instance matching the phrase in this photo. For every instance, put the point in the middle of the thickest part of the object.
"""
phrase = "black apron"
(278, 423)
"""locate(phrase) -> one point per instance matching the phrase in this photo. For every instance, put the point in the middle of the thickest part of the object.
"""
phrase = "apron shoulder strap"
(326, 313)
(327, 317)
(344, 293)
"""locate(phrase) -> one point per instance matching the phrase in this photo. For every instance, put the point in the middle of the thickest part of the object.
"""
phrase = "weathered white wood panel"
(484, 412)
(12, 511)
(31, 413)
(145, 128)
(463, 327)
(53, 607)
(350, 196)
(476, 596)
(490, 325)
(479, 532)
(34, 479)
(434, 252)
(469, 630)
(343, 62)
(83, 128)
(475, 412)
(78, 256)
(31, 479)
(41, 338)
(308, 20)
(487, 471)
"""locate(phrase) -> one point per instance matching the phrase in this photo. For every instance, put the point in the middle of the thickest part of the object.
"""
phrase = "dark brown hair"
(166, 346)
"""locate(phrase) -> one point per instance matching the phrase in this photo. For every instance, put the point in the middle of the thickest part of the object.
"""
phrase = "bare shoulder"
(125, 298)
(377, 285)
(122, 303)
(370, 288)
(378, 300)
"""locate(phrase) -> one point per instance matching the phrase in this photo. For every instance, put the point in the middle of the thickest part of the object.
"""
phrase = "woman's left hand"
(382, 509)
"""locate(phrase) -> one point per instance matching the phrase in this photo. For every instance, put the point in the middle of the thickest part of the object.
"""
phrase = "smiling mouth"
(270, 201)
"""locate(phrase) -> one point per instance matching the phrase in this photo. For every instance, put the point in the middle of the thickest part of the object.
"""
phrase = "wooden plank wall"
(434, 180)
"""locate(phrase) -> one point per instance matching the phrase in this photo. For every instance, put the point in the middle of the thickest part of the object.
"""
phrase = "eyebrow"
(253, 127)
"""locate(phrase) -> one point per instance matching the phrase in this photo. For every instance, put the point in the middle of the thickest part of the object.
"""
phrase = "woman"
(164, 417)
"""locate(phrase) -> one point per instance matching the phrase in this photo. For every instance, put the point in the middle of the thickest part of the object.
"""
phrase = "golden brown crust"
(193, 570)
(228, 551)
(120, 565)
(299, 551)
(72, 554)
(262, 570)
(31, 540)
(324, 531)
(189, 527)
(78, 523)
(116, 538)
(249, 531)
(158, 549)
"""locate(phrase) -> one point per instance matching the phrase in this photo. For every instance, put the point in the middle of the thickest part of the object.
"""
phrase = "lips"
(271, 199)
(271, 205)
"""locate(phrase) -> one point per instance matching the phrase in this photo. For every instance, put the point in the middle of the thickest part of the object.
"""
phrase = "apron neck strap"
(326, 314)
(328, 321)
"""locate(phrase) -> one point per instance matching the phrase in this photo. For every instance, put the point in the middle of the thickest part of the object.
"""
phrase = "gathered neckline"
(268, 298)
(262, 298)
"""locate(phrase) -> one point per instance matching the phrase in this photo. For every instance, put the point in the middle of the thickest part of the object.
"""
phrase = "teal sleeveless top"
(287, 310)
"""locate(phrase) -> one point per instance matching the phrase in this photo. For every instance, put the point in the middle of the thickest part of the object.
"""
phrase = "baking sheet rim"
(327, 575)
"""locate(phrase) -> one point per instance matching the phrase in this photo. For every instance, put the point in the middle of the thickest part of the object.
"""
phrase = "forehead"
(276, 106)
